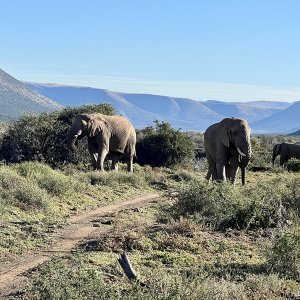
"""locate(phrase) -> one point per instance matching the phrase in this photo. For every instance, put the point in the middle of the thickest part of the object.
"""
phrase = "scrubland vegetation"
(203, 241)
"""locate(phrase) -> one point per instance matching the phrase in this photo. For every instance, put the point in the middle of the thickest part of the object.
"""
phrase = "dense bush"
(162, 145)
(293, 165)
(215, 205)
(42, 137)
(270, 204)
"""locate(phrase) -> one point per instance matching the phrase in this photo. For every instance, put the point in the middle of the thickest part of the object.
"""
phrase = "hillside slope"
(251, 111)
(16, 98)
(285, 121)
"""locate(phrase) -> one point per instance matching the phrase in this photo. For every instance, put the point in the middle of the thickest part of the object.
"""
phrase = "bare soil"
(80, 227)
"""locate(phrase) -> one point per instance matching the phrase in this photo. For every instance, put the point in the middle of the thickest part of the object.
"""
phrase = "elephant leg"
(106, 162)
(94, 157)
(115, 159)
(101, 157)
(129, 154)
(228, 171)
(214, 174)
(231, 172)
(129, 159)
(211, 172)
(283, 160)
(93, 152)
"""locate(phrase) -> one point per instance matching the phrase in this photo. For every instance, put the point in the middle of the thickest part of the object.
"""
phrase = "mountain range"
(142, 109)
(16, 98)
(184, 113)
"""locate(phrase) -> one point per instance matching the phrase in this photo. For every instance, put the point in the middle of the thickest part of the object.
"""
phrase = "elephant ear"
(223, 132)
(277, 149)
(94, 127)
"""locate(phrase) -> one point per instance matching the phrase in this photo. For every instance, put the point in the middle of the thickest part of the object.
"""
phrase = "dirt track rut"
(79, 228)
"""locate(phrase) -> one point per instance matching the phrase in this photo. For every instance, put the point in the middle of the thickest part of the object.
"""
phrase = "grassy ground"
(185, 255)
(35, 200)
(177, 260)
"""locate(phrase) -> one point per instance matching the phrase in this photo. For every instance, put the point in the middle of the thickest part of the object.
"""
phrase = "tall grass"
(20, 191)
(53, 181)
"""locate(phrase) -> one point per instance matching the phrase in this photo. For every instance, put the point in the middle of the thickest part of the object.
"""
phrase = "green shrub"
(21, 191)
(270, 204)
(53, 181)
(285, 255)
(212, 204)
(293, 165)
(162, 145)
(42, 137)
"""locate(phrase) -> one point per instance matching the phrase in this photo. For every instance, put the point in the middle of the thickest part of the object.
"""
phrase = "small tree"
(42, 137)
(162, 145)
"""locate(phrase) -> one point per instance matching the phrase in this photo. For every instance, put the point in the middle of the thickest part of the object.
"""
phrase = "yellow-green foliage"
(20, 191)
(271, 203)
(53, 181)
(285, 254)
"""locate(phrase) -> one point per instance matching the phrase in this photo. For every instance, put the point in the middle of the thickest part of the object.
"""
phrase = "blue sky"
(212, 49)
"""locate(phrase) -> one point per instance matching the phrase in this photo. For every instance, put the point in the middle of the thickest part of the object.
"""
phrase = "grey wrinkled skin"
(286, 151)
(221, 141)
(106, 134)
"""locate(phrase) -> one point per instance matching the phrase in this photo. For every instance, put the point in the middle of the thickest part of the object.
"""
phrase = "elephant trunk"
(243, 171)
(245, 153)
(72, 142)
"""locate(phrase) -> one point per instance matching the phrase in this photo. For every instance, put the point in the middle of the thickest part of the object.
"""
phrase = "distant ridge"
(285, 121)
(16, 98)
(252, 111)
(143, 109)
(295, 133)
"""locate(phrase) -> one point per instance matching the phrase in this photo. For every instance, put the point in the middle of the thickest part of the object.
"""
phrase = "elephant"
(113, 135)
(286, 151)
(228, 146)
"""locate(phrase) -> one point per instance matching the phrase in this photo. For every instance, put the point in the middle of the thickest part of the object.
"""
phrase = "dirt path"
(80, 227)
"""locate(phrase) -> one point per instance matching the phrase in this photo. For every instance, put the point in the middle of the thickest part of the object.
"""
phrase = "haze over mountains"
(16, 98)
(184, 113)
(142, 109)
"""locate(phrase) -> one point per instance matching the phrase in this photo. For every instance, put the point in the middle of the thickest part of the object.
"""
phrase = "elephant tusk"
(239, 158)
(240, 152)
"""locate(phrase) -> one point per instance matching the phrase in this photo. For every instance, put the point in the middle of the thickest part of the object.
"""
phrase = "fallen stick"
(128, 269)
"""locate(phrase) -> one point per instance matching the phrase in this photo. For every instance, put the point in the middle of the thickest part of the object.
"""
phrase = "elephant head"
(83, 125)
(77, 131)
(276, 152)
(235, 134)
